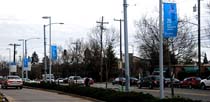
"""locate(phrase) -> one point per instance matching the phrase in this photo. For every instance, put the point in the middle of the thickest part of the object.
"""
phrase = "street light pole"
(127, 69)
(161, 51)
(50, 55)
(27, 53)
(50, 63)
(22, 72)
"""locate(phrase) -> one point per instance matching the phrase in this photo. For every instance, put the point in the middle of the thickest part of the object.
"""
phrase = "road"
(195, 94)
(35, 95)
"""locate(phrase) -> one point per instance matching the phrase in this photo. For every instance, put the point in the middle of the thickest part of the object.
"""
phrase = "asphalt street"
(36, 95)
(195, 94)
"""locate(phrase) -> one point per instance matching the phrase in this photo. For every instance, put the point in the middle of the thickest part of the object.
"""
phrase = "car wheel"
(139, 85)
(2, 87)
(190, 86)
(203, 86)
(150, 86)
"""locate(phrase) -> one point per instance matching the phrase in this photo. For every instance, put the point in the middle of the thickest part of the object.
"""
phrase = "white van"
(47, 77)
(76, 80)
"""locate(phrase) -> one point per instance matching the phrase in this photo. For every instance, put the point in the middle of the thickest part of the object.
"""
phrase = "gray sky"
(22, 19)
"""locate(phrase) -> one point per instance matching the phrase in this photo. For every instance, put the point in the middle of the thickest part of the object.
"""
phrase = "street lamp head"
(46, 17)
(20, 39)
(33, 38)
(11, 44)
(61, 23)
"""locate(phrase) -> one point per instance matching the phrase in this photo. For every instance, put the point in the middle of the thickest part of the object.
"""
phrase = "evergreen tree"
(111, 61)
(35, 58)
(205, 60)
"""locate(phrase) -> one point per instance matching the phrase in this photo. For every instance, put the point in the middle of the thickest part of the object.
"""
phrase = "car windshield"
(198, 78)
(155, 78)
(77, 77)
(13, 77)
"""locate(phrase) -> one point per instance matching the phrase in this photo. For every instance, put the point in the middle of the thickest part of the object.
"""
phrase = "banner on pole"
(12, 67)
(170, 20)
(54, 52)
(25, 63)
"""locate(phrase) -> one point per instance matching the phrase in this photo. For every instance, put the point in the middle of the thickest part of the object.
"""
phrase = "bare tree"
(110, 37)
(208, 21)
(148, 37)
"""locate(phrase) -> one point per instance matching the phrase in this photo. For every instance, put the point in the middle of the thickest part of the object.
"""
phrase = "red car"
(191, 82)
(91, 81)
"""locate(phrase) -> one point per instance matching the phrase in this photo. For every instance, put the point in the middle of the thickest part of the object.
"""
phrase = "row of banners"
(170, 30)
(27, 61)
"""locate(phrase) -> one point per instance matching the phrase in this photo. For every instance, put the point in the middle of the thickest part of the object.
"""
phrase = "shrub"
(107, 95)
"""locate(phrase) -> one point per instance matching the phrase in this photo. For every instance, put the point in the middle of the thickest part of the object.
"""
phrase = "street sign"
(170, 20)
(54, 52)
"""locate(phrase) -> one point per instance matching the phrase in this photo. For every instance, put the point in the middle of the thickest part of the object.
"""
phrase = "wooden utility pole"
(120, 20)
(101, 28)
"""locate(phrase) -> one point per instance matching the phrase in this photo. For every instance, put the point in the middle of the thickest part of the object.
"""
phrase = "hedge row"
(107, 95)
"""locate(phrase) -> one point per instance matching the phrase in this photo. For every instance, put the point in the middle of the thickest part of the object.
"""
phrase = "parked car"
(1, 79)
(122, 80)
(59, 80)
(12, 81)
(205, 83)
(176, 82)
(119, 81)
(48, 77)
(133, 81)
(149, 81)
(191, 82)
(65, 80)
(76, 80)
(91, 81)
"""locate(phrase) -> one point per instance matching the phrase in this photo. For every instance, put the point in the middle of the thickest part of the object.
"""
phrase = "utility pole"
(102, 28)
(77, 48)
(120, 20)
(14, 50)
(199, 41)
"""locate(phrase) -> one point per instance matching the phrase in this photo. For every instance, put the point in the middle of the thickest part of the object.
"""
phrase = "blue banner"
(170, 20)
(25, 63)
(54, 52)
(12, 63)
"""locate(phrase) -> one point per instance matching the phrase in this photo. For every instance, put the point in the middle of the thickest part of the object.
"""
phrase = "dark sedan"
(149, 81)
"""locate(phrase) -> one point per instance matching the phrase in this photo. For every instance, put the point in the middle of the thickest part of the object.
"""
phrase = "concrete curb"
(4, 98)
(64, 93)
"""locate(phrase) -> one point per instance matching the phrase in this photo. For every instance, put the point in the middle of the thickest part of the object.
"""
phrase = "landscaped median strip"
(107, 95)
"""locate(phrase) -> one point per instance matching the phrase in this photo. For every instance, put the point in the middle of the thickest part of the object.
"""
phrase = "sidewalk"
(71, 97)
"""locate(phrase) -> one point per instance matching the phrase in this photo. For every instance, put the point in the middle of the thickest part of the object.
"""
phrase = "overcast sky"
(22, 19)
